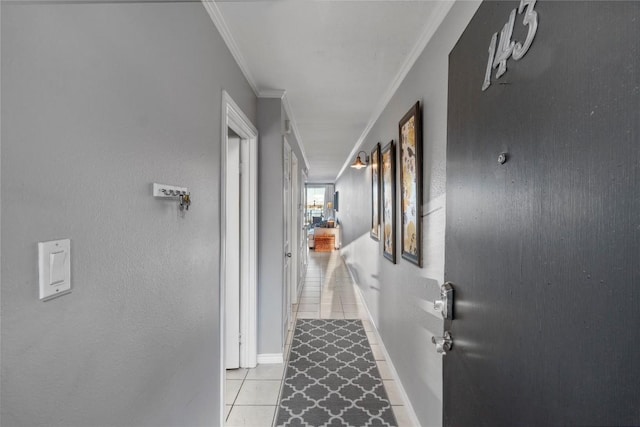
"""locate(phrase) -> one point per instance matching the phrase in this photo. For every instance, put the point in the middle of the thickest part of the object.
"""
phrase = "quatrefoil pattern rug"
(332, 379)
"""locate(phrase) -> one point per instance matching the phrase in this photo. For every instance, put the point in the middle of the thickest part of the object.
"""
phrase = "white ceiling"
(338, 61)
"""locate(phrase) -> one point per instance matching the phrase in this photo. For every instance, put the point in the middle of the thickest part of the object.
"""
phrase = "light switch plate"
(54, 267)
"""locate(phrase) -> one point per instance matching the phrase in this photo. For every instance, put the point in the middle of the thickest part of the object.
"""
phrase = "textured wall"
(271, 117)
(99, 101)
(270, 226)
(399, 296)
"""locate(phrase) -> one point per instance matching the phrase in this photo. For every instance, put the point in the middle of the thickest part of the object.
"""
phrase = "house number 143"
(507, 48)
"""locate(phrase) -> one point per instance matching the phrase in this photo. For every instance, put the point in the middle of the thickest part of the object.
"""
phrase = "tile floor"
(328, 293)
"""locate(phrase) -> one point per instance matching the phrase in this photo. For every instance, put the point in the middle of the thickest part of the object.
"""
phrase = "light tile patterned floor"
(328, 293)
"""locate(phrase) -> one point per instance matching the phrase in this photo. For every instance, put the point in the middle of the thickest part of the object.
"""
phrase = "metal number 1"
(492, 53)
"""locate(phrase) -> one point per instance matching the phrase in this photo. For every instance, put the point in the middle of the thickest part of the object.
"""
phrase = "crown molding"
(218, 20)
(272, 93)
(440, 12)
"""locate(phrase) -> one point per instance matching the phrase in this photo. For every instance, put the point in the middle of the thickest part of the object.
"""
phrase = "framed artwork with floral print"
(375, 193)
(411, 185)
(388, 173)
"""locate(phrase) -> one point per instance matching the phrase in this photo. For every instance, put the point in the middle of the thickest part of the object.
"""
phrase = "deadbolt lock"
(445, 304)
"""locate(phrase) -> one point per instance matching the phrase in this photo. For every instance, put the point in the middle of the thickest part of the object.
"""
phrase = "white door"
(302, 249)
(232, 285)
(294, 225)
(287, 242)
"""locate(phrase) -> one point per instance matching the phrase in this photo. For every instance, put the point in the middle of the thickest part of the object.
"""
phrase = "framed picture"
(336, 199)
(375, 193)
(411, 185)
(388, 173)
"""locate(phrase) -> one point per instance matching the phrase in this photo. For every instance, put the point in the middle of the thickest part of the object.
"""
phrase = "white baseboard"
(270, 358)
(403, 393)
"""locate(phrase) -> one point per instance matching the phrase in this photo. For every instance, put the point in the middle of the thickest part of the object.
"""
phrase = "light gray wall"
(98, 102)
(293, 142)
(271, 117)
(398, 295)
(270, 226)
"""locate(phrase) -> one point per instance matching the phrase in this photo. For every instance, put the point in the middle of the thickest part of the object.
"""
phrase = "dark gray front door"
(544, 250)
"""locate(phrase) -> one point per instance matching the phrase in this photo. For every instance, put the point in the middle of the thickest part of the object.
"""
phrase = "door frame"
(233, 118)
(295, 221)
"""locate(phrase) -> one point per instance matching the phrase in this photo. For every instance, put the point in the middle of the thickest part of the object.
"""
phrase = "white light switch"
(54, 266)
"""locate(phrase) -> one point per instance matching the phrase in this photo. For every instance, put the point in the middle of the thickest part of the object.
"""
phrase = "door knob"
(443, 344)
(445, 304)
(288, 254)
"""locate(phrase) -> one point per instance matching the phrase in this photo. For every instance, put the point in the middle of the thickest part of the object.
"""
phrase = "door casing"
(233, 118)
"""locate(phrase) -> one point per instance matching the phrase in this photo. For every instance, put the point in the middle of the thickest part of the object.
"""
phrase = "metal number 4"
(505, 48)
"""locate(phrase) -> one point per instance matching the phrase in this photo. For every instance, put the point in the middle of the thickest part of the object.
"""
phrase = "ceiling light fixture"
(359, 164)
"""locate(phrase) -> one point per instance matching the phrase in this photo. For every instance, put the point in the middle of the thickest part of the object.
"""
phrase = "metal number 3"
(507, 48)
(531, 21)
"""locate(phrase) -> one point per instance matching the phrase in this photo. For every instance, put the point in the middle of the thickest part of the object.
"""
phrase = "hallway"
(328, 293)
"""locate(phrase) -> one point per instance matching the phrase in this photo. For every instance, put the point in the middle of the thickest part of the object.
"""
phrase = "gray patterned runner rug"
(332, 379)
